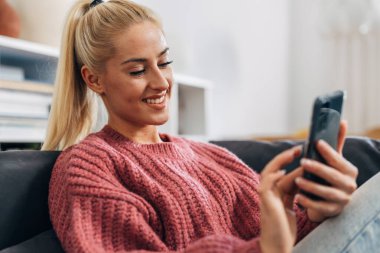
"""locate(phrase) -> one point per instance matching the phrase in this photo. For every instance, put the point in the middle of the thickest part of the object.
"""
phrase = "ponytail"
(71, 114)
(86, 40)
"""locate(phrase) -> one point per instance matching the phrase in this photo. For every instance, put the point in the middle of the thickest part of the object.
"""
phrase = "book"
(24, 110)
(24, 104)
(24, 97)
(11, 73)
(22, 130)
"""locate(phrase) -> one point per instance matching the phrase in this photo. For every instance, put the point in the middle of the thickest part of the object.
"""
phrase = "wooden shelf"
(27, 48)
(27, 86)
(38, 62)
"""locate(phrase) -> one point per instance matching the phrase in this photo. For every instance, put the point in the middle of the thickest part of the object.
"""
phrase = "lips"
(155, 99)
(157, 102)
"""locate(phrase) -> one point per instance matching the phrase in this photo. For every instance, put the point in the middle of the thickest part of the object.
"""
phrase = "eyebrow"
(144, 59)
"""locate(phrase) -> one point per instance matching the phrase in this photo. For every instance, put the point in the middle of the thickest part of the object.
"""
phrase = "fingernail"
(304, 161)
(297, 180)
(283, 172)
(297, 151)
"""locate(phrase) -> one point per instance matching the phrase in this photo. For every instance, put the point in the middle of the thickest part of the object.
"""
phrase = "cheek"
(131, 100)
(169, 75)
(121, 90)
(169, 78)
(130, 97)
(124, 92)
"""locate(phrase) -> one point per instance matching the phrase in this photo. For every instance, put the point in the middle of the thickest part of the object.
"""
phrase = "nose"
(160, 79)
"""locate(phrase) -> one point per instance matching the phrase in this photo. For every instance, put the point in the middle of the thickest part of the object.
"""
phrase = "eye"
(137, 73)
(165, 64)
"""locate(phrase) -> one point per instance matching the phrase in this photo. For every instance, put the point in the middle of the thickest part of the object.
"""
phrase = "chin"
(160, 121)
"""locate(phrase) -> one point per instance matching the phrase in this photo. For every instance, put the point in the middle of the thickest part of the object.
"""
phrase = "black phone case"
(325, 126)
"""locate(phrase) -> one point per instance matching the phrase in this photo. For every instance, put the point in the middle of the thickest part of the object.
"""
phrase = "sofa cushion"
(363, 152)
(24, 179)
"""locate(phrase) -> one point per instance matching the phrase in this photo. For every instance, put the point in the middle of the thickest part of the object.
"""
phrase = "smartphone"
(325, 125)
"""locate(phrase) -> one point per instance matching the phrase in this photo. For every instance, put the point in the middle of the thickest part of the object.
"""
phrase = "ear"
(92, 80)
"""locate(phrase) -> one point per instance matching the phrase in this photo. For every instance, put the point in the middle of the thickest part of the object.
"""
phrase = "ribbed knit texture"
(109, 194)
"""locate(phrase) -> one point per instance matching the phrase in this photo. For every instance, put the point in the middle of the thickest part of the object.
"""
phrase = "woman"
(128, 187)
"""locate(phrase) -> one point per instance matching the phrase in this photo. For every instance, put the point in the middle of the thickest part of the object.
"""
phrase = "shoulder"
(87, 166)
(92, 152)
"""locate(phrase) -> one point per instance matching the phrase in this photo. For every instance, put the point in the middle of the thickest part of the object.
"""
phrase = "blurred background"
(267, 59)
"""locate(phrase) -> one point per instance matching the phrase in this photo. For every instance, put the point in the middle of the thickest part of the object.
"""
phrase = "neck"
(144, 135)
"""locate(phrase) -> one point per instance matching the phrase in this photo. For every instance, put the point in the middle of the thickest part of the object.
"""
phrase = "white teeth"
(155, 101)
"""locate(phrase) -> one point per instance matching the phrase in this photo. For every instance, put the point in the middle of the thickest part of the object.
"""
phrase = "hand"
(278, 221)
(339, 172)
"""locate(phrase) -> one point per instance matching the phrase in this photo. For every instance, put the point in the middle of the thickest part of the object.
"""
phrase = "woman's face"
(137, 81)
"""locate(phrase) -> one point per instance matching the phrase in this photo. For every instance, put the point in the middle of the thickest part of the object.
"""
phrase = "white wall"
(307, 64)
(312, 61)
(42, 20)
(241, 46)
(328, 51)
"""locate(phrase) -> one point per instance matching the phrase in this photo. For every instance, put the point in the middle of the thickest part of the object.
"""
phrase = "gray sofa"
(24, 179)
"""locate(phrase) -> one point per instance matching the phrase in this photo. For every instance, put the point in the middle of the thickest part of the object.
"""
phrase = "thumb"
(342, 135)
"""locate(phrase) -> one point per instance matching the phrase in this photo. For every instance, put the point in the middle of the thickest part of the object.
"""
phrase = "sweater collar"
(171, 146)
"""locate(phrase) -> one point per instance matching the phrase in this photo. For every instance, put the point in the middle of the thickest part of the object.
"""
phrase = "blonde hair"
(86, 40)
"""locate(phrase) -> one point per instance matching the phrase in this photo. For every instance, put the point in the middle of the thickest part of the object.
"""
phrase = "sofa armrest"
(24, 184)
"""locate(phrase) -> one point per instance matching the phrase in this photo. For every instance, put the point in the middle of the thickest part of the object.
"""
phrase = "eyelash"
(140, 72)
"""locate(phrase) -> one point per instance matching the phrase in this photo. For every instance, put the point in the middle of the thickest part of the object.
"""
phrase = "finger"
(342, 135)
(282, 159)
(327, 193)
(287, 186)
(331, 175)
(326, 208)
(269, 181)
(287, 182)
(336, 160)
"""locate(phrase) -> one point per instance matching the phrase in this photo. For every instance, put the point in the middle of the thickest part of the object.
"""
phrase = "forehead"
(139, 40)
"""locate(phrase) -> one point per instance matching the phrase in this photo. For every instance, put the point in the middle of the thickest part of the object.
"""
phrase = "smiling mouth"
(155, 100)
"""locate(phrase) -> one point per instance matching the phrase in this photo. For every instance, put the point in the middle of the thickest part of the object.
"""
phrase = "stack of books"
(23, 115)
(27, 71)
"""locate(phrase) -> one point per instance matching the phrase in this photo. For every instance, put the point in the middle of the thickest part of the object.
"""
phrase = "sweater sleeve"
(304, 224)
(92, 212)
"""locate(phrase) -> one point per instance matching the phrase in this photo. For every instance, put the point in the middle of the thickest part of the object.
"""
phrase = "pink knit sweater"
(108, 194)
